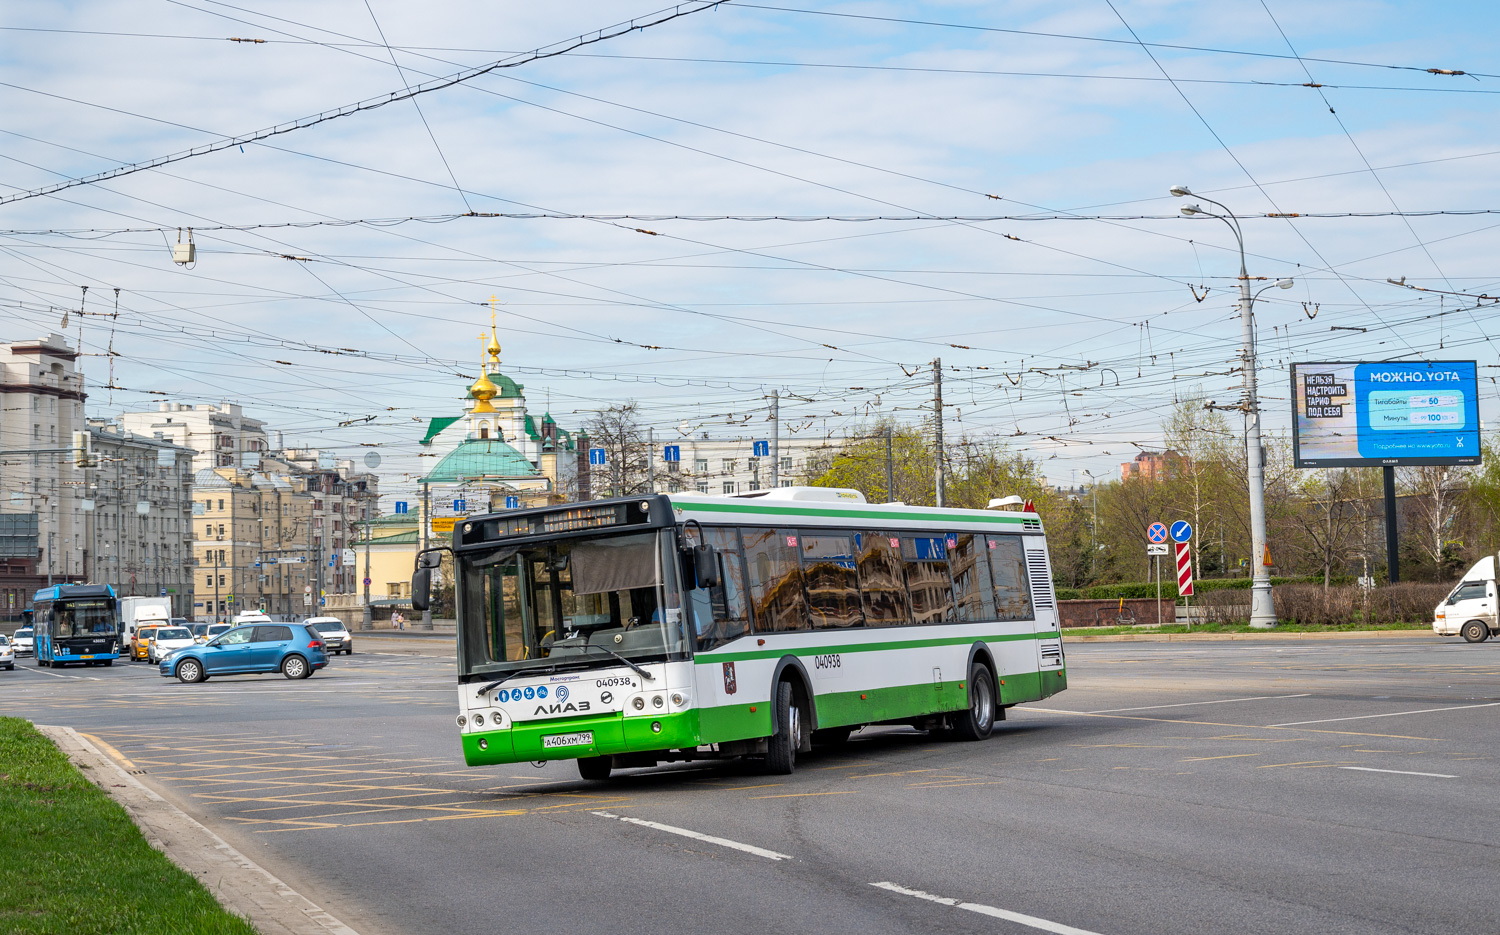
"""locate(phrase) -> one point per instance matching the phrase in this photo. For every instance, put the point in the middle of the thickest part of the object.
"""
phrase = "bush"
(1407, 602)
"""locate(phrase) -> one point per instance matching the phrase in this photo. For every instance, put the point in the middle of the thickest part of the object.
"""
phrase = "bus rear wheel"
(595, 768)
(977, 720)
(1475, 631)
(781, 748)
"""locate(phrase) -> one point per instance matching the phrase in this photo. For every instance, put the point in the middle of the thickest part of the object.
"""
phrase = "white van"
(1469, 610)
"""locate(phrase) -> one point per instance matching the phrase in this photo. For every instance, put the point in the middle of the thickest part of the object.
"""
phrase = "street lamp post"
(1262, 607)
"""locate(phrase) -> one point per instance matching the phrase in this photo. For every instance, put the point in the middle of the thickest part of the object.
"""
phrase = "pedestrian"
(395, 619)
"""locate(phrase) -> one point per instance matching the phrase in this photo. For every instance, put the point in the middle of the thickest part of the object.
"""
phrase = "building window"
(729, 486)
(209, 580)
(786, 464)
(221, 581)
(674, 486)
(786, 483)
(701, 465)
(755, 485)
(727, 465)
(221, 504)
(703, 486)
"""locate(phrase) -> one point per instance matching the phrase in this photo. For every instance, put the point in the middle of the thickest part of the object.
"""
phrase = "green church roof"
(481, 458)
(436, 426)
(509, 389)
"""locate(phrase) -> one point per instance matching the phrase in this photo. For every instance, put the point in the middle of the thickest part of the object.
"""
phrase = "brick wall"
(1110, 613)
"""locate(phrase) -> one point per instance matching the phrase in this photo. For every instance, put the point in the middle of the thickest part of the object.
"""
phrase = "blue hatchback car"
(292, 649)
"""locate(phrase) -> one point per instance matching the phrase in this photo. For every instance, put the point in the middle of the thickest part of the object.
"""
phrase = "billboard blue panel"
(1348, 414)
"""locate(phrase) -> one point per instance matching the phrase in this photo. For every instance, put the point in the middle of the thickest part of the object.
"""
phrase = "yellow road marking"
(1303, 763)
(904, 772)
(108, 749)
(799, 795)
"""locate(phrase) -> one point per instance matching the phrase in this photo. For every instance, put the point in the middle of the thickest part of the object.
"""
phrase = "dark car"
(292, 649)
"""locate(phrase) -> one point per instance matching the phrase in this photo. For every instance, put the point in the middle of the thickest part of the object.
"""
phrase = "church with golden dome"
(497, 446)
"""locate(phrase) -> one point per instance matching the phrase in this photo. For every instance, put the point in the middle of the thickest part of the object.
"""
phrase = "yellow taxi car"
(140, 643)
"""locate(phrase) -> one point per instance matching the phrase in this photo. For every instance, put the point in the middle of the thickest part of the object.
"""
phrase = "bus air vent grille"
(1041, 581)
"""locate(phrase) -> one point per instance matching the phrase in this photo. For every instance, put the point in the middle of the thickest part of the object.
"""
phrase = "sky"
(998, 173)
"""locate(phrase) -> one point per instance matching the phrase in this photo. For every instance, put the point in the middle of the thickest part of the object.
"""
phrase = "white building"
(730, 465)
(220, 433)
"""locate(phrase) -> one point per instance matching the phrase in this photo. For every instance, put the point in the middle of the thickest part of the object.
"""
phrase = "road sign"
(672, 454)
(367, 582)
(512, 503)
(761, 449)
(1182, 531)
(1156, 532)
(401, 506)
(1184, 569)
(163, 592)
(306, 589)
(596, 456)
(442, 524)
(1156, 548)
(349, 558)
(460, 505)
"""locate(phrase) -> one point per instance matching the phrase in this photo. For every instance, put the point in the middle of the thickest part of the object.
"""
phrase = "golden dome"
(482, 391)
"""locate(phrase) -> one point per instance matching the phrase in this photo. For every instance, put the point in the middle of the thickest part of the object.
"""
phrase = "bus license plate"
(582, 738)
(85, 657)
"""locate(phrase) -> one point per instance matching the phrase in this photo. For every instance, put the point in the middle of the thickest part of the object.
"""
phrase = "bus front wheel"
(781, 748)
(977, 720)
(595, 768)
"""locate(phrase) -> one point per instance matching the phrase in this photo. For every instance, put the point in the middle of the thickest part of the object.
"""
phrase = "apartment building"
(220, 434)
(253, 543)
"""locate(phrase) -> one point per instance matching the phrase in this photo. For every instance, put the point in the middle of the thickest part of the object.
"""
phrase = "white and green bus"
(632, 632)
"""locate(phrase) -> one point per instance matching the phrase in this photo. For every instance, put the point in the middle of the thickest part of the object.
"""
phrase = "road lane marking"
(59, 675)
(1227, 756)
(706, 838)
(1045, 925)
(1365, 717)
(801, 795)
(1401, 772)
(1189, 704)
(108, 749)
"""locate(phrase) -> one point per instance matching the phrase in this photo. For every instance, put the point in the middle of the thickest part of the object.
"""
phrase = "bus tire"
(295, 667)
(1475, 631)
(595, 768)
(977, 720)
(108, 663)
(781, 747)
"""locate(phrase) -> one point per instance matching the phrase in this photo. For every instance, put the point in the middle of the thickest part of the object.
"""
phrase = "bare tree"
(617, 430)
(1437, 491)
(1328, 518)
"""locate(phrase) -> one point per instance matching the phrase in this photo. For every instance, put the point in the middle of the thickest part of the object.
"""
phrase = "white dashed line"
(706, 838)
(1189, 704)
(1366, 717)
(1045, 925)
(1399, 772)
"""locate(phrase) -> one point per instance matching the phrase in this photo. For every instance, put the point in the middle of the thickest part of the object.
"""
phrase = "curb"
(237, 882)
(1215, 637)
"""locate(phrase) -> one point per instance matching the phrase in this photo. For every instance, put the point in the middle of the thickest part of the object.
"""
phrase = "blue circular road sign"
(1156, 532)
(1182, 531)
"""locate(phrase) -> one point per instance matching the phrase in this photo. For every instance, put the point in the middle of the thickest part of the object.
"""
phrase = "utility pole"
(937, 422)
(368, 622)
(890, 467)
(650, 459)
(1262, 606)
(426, 520)
(775, 439)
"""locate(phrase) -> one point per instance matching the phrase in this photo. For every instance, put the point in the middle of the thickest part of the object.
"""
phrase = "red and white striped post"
(1185, 574)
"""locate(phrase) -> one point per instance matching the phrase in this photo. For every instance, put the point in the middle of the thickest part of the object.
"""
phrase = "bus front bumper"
(611, 734)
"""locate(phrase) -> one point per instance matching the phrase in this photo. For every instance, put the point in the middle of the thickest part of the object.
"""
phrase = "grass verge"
(1245, 628)
(73, 863)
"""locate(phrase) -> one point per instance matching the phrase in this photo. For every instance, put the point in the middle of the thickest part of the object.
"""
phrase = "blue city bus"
(76, 623)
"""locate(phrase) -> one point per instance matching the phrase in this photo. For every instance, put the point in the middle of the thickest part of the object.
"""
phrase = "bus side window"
(881, 582)
(720, 614)
(1008, 567)
(927, 580)
(832, 591)
(971, 578)
(775, 574)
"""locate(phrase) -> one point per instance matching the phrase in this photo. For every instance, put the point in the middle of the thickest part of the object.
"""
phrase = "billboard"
(1349, 414)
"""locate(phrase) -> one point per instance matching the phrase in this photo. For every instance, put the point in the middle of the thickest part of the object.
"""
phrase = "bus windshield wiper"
(643, 673)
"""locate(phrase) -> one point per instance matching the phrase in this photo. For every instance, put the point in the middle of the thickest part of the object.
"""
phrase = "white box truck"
(1469, 610)
(137, 610)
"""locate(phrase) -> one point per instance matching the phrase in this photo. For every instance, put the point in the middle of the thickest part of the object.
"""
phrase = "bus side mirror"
(706, 566)
(421, 588)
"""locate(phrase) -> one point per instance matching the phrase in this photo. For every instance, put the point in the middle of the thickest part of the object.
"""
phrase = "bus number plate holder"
(580, 739)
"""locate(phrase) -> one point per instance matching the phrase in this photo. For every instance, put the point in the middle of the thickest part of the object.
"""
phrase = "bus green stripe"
(711, 658)
(866, 514)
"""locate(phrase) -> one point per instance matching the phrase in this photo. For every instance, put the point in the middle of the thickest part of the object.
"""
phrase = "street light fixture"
(1262, 606)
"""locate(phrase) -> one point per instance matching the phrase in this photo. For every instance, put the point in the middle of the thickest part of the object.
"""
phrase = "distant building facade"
(1151, 466)
(220, 434)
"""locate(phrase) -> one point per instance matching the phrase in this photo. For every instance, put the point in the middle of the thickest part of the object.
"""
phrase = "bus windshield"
(83, 617)
(563, 602)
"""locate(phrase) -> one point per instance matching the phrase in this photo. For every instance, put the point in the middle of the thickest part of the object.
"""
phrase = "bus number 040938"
(830, 661)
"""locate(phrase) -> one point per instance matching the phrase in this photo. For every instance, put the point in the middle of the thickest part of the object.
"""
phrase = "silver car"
(22, 642)
(7, 654)
(334, 635)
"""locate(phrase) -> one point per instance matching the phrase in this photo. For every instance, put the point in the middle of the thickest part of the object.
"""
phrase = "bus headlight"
(462, 720)
(656, 701)
(498, 718)
(638, 702)
(479, 720)
(677, 699)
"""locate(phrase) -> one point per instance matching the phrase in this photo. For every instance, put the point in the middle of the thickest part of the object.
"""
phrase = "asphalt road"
(1311, 787)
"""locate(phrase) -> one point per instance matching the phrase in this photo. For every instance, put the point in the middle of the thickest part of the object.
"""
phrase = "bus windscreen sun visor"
(614, 564)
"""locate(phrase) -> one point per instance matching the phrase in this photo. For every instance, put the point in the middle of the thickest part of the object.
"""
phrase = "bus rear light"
(479, 720)
(677, 698)
(462, 720)
(498, 718)
(656, 701)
